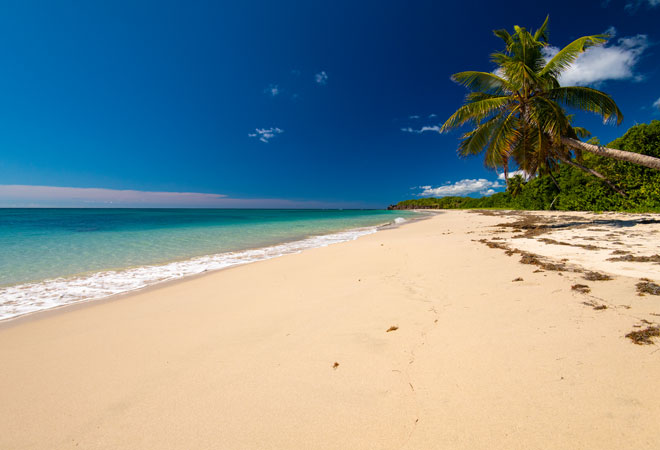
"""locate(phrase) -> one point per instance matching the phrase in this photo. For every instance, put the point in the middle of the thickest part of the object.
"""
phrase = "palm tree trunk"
(621, 155)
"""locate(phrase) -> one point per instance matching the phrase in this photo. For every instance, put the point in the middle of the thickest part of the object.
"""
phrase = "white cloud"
(657, 103)
(435, 128)
(321, 77)
(462, 187)
(272, 90)
(602, 63)
(265, 134)
(55, 196)
(413, 117)
(513, 174)
(632, 6)
(431, 116)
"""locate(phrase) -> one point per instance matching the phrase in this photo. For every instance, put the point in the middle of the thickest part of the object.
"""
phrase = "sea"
(54, 257)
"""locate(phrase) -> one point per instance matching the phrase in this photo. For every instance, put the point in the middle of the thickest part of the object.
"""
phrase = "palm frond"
(475, 141)
(587, 99)
(475, 112)
(504, 137)
(482, 81)
(504, 35)
(567, 55)
(549, 117)
(542, 33)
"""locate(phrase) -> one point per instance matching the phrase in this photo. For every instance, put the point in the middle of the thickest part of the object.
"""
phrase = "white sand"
(242, 358)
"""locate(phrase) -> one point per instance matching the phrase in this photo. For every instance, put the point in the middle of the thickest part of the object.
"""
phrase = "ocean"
(55, 257)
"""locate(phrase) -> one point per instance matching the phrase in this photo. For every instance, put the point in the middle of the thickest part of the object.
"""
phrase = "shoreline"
(414, 337)
(168, 282)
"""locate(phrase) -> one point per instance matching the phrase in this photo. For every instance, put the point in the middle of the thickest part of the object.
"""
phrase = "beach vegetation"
(517, 112)
(569, 188)
(645, 336)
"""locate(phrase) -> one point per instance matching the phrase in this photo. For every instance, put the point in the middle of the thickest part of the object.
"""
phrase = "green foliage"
(578, 191)
(517, 112)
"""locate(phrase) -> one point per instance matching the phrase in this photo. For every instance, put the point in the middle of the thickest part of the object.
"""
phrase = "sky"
(275, 103)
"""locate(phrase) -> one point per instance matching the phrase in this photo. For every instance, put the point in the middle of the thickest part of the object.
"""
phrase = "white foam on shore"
(28, 298)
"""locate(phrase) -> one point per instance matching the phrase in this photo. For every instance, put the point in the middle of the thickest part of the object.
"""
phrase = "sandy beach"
(456, 332)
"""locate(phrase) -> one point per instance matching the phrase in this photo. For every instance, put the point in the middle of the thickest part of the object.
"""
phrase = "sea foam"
(28, 298)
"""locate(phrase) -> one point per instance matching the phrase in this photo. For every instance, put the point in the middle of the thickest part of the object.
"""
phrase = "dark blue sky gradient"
(161, 95)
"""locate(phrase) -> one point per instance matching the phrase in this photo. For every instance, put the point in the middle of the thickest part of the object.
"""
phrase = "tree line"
(625, 187)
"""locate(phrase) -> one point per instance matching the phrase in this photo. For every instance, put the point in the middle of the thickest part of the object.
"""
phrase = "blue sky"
(283, 103)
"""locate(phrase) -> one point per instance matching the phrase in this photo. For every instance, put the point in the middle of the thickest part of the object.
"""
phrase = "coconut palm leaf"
(475, 111)
(517, 111)
(567, 55)
(587, 99)
(483, 82)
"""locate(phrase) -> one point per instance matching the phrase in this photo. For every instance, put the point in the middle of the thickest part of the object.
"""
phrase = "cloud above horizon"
(604, 63)
(634, 5)
(435, 128)
(22, 196)
(272, 90)
(513, 174)
(657, 103)
(265, 134)
(461, 188)
(321, 77)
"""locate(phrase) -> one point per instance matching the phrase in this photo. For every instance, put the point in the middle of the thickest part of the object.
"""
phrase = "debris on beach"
(335, 365)
(647, 286)
(596, 276)
(568, 244)
(581, 288)
(644, 337)
(531, 258)
(595, 306)
(632, 258)
(392, 328)
(518, 279)
(492, 244)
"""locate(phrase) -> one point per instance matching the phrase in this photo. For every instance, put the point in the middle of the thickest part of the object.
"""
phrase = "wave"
(28, 298)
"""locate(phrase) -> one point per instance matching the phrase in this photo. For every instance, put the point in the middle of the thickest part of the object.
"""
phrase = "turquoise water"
(54, 256)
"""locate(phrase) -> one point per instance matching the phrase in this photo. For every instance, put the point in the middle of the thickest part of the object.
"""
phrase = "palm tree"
(515, 185)
(517, 112)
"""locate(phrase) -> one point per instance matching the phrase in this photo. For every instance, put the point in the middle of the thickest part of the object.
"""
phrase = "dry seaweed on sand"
(518, 279)
(633, 258)
(596, 276)
(335, 365)
(492, 244)
(595, 306)
(584, 246)
(528, 224)
(392, 328)
(646, 286)
(645, 336)
(581, 288)
(531, 258)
